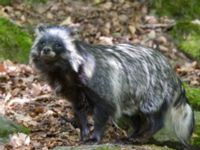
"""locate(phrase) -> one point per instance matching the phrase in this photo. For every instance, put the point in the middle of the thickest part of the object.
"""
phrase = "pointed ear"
(40, 29)
(72, 30)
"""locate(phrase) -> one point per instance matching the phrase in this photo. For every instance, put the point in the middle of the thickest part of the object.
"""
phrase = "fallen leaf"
(67, 21)
(132, 29)
(2, 68)
(19, 139)
(36, 89)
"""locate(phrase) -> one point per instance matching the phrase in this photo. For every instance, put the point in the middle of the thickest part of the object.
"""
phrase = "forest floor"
(27, 100)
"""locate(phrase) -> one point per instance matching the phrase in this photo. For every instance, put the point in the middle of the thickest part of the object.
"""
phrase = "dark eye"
(58, 45)
(42, 43)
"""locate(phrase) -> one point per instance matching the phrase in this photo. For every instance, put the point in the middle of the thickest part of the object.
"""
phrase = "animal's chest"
(64, 85)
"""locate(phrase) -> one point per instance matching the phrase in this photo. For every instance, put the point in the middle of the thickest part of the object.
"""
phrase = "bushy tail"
(181, 118)
(183, 123)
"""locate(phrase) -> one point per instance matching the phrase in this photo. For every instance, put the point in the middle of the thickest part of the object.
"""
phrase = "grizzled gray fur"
(114, 81)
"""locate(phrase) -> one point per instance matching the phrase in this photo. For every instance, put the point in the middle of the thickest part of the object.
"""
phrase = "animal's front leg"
(83, 124)
(81, 108)
(101, 116)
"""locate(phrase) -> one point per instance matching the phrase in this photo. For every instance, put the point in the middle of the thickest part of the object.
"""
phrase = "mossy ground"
(9, 2)
(35, 1)
(187, 37)
(193, 95)
(196, 135)
(179, 9)
(112, 147)
(163, 141)
(9, 127)
(5, 2)
(15, 43)
(185, 33)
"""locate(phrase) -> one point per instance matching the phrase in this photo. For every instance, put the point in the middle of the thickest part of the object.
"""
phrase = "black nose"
(46, 50)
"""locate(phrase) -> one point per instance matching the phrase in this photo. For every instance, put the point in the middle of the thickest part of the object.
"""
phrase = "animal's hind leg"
(145, 126)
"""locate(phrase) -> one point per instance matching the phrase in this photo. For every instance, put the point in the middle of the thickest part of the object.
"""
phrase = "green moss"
(179, 9)
(14, 42)
(193, 95)
(108, 148)
(35, 1)
(5, 2)
(187, 37)
(196, 135)
(186, 33)
(8, 127)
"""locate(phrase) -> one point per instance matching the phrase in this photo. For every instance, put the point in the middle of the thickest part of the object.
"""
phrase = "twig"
(44, 97)
(154, 26)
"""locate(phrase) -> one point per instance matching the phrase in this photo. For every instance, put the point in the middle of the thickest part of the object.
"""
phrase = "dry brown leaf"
(132, 29)
(106, 40)
(36, 89)
(2, 68)
(30, 101)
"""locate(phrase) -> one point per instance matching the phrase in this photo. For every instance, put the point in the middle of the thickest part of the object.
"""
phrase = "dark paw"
(84, 135)
(124, 140)
(139, 140)
(95, 139)
(131, 140)
(92, 141)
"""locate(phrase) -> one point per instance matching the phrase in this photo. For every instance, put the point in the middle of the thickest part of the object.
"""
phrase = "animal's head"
(55, 44)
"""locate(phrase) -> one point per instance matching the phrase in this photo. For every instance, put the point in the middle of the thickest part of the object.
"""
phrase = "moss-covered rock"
(187, 36)
(15, 43)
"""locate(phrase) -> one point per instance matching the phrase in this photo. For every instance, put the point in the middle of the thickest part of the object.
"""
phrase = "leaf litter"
(29, 101)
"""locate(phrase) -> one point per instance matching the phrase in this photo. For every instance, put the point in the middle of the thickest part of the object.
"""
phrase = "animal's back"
(151, 78)
(135, 77)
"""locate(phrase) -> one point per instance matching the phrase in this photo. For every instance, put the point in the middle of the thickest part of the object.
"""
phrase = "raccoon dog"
(114, 81)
